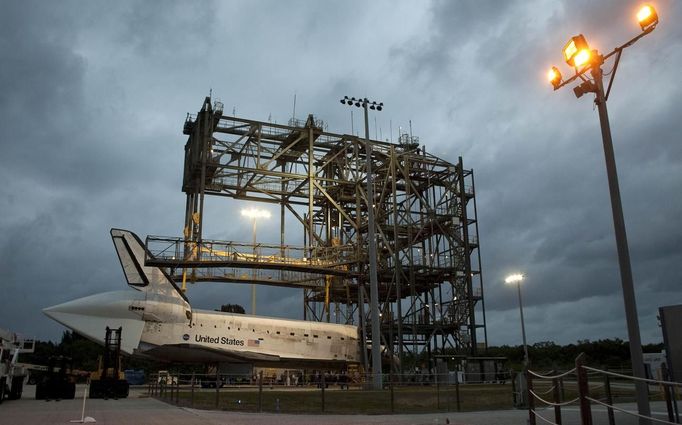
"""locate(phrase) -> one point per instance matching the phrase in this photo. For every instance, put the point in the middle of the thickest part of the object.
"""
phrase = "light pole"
(578, 55)
(511, 279)
(254, 214)
(371, 237)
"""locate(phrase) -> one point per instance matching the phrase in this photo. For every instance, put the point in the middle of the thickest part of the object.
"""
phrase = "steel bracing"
(429, 268)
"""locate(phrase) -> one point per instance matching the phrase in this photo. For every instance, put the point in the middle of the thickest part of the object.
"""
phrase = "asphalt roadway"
(138, 409)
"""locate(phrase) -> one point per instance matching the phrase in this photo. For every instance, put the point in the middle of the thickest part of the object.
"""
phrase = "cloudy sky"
(93, 96)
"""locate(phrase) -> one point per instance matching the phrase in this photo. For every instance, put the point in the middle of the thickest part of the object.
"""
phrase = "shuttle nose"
(90, 316)
(109, 304)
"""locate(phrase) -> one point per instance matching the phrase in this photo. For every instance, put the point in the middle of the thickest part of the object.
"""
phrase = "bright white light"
(581, 58)
(255, 213)
(644, 13)
(514, 278)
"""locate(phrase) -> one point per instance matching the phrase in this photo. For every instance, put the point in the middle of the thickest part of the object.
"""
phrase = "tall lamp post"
(254, 214)
(579, 56)
(371, 236)
(516, 279)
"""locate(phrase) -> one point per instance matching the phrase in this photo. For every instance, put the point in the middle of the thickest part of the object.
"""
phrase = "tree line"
(609, 353)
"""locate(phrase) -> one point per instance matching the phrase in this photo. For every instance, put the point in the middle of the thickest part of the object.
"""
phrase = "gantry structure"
(429, 266)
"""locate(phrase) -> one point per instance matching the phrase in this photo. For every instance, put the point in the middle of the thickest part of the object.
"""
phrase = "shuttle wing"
(200, 353)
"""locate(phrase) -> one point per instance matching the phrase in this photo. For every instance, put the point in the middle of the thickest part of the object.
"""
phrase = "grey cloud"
(94, 96)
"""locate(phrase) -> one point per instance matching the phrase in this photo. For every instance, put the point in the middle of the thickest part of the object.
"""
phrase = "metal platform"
(428, 262)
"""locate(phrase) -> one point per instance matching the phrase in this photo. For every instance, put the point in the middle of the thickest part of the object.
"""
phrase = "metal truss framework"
(429, 268)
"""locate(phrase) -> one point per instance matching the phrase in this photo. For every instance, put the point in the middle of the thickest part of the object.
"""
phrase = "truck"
(12, 374)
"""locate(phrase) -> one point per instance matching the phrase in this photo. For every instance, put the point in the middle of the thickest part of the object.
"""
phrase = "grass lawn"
(411, 399)
(403, 399)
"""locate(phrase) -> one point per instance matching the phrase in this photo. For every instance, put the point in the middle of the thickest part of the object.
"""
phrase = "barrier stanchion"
(260, 391)
(323, 385)
(557, 401)
(609, 400)
(563, 388)
(177, 390)
(530, 397)
(437, 392)
(191, 400)
(84, 419)
(459, 407)
(666, 393)
(217, 386)
(390, 387)
(583, 391)
(673, 390)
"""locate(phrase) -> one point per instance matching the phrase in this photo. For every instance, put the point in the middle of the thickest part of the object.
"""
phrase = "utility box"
(671, 322)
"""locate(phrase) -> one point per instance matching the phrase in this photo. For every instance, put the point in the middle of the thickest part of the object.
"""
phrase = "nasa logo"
(185, 337)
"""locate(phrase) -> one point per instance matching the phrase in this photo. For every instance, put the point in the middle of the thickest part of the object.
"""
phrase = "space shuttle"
(158, 322)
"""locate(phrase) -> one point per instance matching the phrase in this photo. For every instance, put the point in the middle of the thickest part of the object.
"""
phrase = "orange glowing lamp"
(581, 58)
(577, 51)
(554, 77)
(647, 17)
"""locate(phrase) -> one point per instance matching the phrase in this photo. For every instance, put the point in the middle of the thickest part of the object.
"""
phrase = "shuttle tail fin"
(131, 253)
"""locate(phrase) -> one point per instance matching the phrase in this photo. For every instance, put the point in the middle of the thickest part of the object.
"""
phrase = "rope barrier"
(582, 373)
(630, 412)
(561, 375)
(543, 418)
(566, 403)
(551, 403)
(634, 378)
(549, 390)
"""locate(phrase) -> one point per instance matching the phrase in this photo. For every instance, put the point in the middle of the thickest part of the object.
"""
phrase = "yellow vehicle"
(109, 380)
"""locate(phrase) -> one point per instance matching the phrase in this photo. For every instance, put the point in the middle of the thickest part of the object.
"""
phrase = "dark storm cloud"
(70, 172)
(94, 96)
(42, 93)
(50, 125)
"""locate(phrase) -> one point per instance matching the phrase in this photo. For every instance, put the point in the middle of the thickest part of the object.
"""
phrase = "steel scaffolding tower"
(429, 267)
